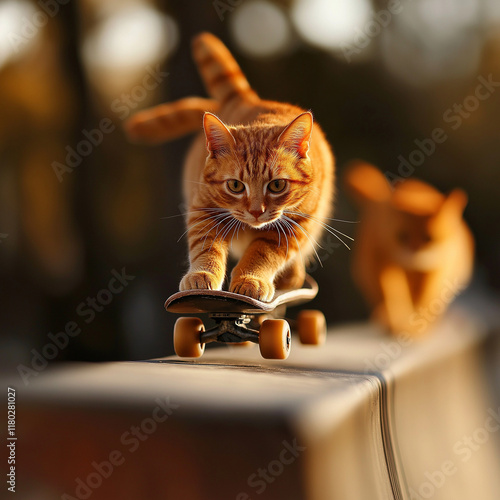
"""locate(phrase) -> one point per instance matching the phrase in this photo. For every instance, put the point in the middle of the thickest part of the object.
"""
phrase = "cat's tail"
(223, 80)
(169, 121)
(220, 72)
(366, 183)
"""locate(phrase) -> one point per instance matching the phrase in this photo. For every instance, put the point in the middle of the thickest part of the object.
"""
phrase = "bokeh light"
(19, 28)
(260, 29)
(432, 40)
(126, 44)
(132, 36)
(330, 24)
(492, 11)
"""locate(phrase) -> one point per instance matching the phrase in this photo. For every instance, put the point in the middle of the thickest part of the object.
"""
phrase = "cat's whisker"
(237, 228)
(290, 227)
(307, 234)
(328, 228)
(232, 227)
(275, 227)
(221, 229)
(192, 212)
(279, 233)
(339, 238)
(204, 236)
(284, 234)
(223, 232)
(215, 223)
(212, 218)
(326, 218)
(216, 227)
(342, 220)
(193, 225)
(228, 228)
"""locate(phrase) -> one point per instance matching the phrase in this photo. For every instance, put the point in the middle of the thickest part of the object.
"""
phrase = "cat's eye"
(235, 186)
(277, 185)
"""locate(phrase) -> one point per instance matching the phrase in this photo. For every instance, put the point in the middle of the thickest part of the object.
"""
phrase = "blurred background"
(80, 205)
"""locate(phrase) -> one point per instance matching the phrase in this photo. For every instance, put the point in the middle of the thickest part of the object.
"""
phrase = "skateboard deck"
(220, 301)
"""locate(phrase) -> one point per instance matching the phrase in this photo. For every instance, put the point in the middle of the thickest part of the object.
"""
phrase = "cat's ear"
(297, 134)
(455, 202)
(366, 183)
(219, 138)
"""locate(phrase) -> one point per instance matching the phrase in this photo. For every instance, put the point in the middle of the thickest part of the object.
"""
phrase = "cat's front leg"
(256, 271)
(396, 306)
(207, 257)
(292, 276)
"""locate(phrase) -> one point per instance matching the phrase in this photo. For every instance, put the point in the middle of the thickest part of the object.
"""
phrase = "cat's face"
(423, 217)
(257, 195)
(419, 240)
(255, 175)
(412, 233)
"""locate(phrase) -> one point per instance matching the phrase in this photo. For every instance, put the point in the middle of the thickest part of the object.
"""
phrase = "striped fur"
(221, 74)
(169, 121)
(255, 146)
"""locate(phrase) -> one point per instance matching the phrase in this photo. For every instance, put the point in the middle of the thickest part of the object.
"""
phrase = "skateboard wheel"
(187, 337)
(311, 326)
(275, 339)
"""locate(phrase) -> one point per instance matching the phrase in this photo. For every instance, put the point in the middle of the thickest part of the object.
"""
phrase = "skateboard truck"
(230, 329)
(241, 319)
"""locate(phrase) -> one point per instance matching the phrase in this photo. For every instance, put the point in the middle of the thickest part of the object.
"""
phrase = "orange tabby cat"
(413, 251)
(259, 181)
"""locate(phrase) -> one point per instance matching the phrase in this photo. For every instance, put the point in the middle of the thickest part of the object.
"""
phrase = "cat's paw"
(253, 287)
(196, 280)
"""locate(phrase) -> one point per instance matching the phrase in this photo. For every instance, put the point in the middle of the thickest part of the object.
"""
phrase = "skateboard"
(240, 319)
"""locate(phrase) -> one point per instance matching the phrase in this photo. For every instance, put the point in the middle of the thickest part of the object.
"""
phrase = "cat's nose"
(257, 213)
